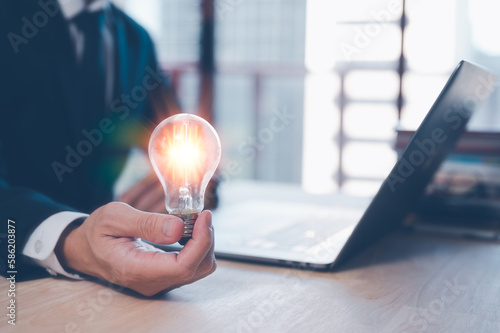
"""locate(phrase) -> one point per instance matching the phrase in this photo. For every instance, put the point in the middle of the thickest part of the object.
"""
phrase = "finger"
(139, 189)
(157, 228)
(196, 249)
(207, 266)
(151, 198)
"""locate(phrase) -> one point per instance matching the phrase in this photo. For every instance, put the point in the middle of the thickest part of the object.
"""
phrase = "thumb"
(156, 228)
(159, 228)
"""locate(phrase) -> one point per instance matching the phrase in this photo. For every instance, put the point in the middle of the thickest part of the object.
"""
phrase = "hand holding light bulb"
(185, 151)
(107, 246)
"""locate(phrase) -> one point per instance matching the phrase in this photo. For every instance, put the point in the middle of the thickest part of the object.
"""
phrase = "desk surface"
(406, 283)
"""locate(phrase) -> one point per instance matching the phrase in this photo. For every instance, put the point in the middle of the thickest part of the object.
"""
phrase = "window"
(335, 68)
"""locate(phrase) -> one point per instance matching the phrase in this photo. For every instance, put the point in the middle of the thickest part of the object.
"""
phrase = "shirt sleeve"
(42, 242)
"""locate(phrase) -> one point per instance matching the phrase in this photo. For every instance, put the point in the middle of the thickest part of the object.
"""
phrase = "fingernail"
(209, 218)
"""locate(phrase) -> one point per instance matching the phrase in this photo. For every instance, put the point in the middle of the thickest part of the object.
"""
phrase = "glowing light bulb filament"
(184, 156)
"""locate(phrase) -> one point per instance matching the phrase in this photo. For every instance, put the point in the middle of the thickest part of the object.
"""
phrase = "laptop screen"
(468, 86)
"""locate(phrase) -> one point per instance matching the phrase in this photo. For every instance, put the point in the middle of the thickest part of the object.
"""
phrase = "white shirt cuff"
(42, 242)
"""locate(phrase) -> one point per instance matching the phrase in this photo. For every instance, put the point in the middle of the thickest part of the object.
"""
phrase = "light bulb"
(184, 150)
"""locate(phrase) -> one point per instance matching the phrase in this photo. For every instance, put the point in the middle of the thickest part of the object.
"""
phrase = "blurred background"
(311, 92)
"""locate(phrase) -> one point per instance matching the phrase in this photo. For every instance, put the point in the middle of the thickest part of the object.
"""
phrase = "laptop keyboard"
(300, 236)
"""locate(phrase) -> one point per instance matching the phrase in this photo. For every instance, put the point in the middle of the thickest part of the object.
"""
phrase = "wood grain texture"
(406, 283)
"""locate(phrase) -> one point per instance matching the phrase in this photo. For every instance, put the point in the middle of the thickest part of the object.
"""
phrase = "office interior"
(312, 93)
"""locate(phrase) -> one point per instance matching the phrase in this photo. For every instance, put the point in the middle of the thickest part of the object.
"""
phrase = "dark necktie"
(91, 70)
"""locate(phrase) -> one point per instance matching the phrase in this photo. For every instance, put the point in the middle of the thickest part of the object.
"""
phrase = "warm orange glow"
(183, 152)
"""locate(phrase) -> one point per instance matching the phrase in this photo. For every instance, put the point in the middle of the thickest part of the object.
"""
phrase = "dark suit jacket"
(50, 159)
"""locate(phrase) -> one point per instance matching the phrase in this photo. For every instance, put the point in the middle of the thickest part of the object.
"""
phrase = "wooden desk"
(406, 283)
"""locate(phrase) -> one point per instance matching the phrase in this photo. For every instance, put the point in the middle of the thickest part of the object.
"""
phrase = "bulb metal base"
(189, 220)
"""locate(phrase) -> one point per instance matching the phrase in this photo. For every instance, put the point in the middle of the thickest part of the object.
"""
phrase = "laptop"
(299, 231)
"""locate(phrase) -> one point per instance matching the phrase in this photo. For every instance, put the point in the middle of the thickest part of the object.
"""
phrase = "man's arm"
(41, 244)
(105, 245)
(27, 209)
